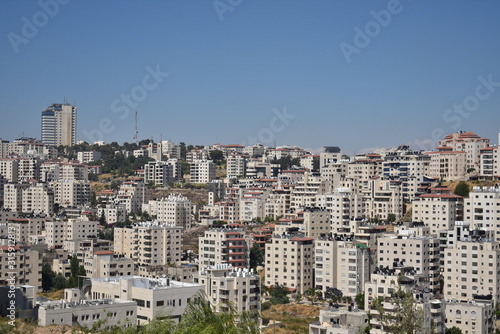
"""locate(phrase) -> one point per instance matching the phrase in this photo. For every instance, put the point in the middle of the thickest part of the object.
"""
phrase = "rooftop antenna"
(65, 100)
(136, 131)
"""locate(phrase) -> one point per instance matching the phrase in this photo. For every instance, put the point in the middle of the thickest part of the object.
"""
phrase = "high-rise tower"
(59, 125)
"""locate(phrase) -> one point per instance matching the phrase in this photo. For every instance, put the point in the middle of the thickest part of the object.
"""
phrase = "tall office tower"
(59, 125)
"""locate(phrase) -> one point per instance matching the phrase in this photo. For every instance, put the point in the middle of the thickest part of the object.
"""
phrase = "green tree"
(59, 282)
(333, 295)
(201, 318)
(360, 301)
(462, 189)
(453, 330)
(73, 265)
(312, 295)
(256, 256)
(48, 275)
(217, 156)
(391, 218)
(279, 294)
(404, 318)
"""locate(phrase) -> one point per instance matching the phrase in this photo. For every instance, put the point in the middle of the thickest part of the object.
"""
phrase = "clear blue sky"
(227, 76)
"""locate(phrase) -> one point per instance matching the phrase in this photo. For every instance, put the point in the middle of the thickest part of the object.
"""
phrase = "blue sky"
(234, 65)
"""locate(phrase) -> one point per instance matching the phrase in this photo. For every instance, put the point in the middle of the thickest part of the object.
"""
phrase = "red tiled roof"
(103, 252)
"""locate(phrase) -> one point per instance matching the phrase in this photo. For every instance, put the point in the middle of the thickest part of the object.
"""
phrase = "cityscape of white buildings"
(369, 224)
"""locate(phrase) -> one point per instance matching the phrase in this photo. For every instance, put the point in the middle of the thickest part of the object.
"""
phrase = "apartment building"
(38, 198)
(28, 148)
(170, 149)
(224, 284)
(57, 231)
(482, 209)
(258, 168)
(383, 197)
(29, 169)
(22, 263)
(197, 154)
(23, 228)
(310, 162)
(113, 213)
(59, 125)
(305, 191)
(447, 164)
(438, 211)
(341, 263)
(202, 171)
(468, 142)
(277, 203)
(343, 204)
(85, 247)
(107, 264)
(9, 169)
(149, 244)
(160, 297)
(384, 282)
(253, 151)
(13, 196)
(489, 162)
(471, 316)
(74, 310)
(175, 210)
(71, 193)
(329, 155)
(340, 321)
(252, 203)
(132, 194)
(472, 267)
(236, 165)
(88, 156)
(57, 170)
(290, 262)
(162, 172)
(224, 246)
(409, 167)
(408, 250)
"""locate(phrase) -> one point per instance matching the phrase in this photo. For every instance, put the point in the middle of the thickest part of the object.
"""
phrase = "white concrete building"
(468, 142)
(149, 244)
(107, 264)
(71, 193)
(175, 210)
(236, 165)
(22, 263)
(88, 156)
(482, 209)
(58, 231)
(341, 264)
(290, 262)
(73, 310)
(154, 297)
(133, 195)
(202, 171)
(59, 125)
(225, 284)
(340, 321)
(438, 211)
(408, 250)
(224, 246)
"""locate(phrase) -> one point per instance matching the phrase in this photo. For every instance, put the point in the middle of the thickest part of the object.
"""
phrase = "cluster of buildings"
(371, 224)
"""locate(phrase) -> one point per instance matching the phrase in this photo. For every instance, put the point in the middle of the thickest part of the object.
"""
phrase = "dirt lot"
(295, 318)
